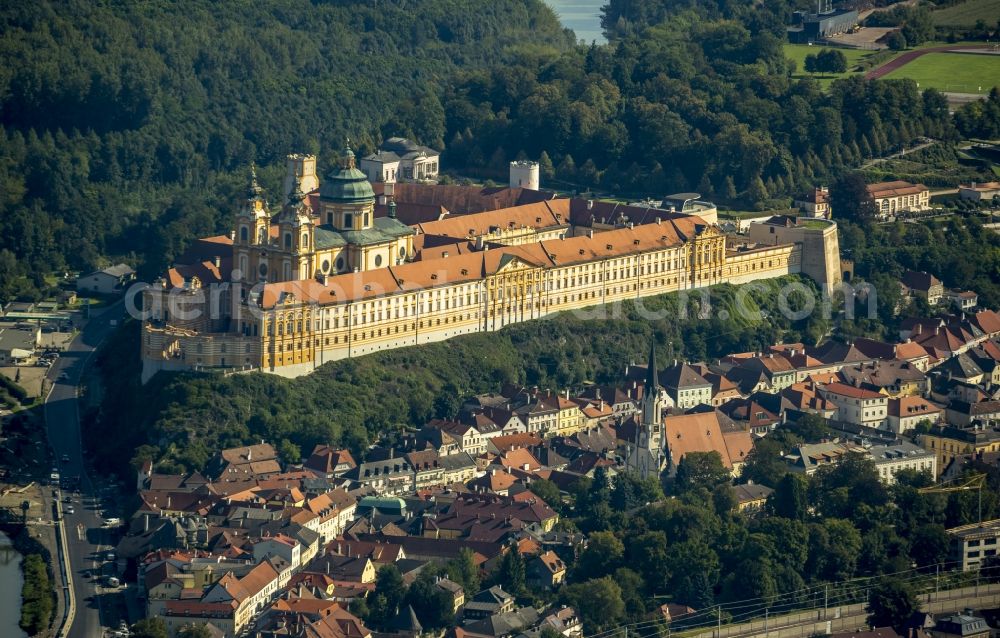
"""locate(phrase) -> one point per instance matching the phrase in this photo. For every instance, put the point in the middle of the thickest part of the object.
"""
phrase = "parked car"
(69, 509)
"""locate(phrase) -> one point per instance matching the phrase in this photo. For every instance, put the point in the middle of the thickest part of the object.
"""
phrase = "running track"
(910, 56)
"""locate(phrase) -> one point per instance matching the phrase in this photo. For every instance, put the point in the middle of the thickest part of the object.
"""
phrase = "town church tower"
(646, 458)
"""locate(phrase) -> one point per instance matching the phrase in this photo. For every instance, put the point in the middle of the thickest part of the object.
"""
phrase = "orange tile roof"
(702, 433)
(845, 390)
(507, 442)
(474, 266)
(893, 189)
(910, 350)
(529, 546)
(521, 459)
(912, 406)
(539, 215)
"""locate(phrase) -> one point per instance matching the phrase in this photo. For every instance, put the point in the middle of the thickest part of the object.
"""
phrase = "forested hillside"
(180, 419)
(692, 95)
(124, 122)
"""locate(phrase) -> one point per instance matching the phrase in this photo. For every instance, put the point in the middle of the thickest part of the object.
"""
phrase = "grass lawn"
(967, 13)
(798, 53)
(956, 72)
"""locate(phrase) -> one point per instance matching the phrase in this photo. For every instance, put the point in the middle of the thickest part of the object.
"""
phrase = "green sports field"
(954, 72)
(966, 14)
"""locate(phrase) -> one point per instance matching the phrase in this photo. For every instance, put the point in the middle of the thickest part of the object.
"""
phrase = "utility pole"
(718, 614)
(765, 621)
(826, 601)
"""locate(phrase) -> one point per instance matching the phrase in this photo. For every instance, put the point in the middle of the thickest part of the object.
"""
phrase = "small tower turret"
(251, 228)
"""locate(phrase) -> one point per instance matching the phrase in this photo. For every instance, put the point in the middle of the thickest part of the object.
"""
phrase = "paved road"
(86, 540)
(905, 151)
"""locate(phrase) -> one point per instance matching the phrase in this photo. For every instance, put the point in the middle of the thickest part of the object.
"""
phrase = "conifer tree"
(545, 168)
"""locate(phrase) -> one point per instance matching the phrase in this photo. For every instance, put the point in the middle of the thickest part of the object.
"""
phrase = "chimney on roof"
(590, 204)
(658, 220)
(249, 454)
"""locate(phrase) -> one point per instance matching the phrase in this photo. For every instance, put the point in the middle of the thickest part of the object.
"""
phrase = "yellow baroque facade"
(290, 326)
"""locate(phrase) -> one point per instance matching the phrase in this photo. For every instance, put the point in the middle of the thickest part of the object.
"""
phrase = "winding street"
(84, 540)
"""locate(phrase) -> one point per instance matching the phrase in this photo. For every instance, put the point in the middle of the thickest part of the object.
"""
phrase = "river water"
(10, 590)
(583, 16)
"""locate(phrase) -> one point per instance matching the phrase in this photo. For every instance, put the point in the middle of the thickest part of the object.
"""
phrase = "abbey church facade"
(335, 273)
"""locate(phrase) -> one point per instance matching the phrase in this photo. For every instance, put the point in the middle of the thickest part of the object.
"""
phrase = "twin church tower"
(330, 232)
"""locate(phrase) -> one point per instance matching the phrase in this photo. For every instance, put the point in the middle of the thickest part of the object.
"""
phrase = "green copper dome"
(346, 183)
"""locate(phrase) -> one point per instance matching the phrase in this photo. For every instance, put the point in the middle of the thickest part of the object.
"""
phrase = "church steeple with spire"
(647, 458)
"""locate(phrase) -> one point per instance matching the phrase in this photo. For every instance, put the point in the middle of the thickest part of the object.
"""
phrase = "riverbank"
(11, 585)
(28, 545)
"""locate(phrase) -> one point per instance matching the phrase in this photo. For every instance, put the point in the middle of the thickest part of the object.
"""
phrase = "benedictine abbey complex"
(349, 266)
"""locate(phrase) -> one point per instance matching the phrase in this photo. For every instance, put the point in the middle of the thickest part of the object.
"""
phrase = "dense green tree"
(630, 491)
(194, 630)
(929, 545)
(464, 571)
(811, 428)
(603, 555)
(36, 595)
(599, 603)
(849, 198)
(701, 470)
(150, 628)
(546, 169)
(390, 591)
(751, 579)
(547, 491)
(510, 573)
(764, 464)
(633, 591)
(790, 498)
(831, 61)
(891, 603)
(434, 606)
